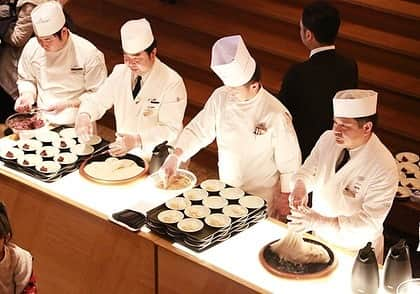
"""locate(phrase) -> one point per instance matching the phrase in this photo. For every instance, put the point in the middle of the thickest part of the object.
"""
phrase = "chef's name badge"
(151, 107)
(353, 189)
(260, 129)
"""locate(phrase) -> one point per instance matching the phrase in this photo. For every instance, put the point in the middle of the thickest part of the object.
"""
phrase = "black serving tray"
(51, 177)
(208, 236)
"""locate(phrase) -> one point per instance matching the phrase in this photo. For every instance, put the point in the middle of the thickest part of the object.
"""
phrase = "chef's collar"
(356, 150)
(252, 100)
(65, 48)
(320, 49)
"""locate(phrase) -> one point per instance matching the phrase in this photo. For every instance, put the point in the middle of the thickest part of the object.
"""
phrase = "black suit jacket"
(308, 89)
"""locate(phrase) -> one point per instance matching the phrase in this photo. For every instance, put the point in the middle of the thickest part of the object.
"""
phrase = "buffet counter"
(77, 250)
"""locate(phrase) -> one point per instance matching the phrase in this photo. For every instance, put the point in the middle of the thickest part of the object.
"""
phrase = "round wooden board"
(135, 158)
(304, 276)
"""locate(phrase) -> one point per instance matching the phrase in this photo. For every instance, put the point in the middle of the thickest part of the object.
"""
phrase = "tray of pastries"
(50, 154)
(409, 176)
(296, 257)
(206, 215)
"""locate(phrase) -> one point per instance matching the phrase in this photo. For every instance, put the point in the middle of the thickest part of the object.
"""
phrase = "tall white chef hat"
(355, 103)
(47, 18)
(231, 61)
(136, 35)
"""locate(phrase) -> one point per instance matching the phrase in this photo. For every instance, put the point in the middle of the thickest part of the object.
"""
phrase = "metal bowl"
(29, 130)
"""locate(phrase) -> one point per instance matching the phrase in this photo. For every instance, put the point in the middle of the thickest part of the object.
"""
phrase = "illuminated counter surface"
(77, 249)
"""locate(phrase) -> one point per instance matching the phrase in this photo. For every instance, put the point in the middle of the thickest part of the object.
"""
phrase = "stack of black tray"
(50, 177)
(208, 236)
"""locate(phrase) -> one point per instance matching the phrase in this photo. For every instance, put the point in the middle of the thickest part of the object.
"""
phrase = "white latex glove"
(84, 127)
(60, 106)
(298, 197)
(24, 102)
(306, 219)
(123, 144)
(279, 207)
(169, 168)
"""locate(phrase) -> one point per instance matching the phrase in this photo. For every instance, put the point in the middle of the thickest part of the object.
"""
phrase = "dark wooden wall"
(383, 36)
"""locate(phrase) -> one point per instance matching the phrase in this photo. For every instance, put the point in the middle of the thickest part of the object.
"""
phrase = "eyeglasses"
(133, 59)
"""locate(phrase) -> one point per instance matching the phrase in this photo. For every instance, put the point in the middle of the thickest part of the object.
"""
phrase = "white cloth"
(76, 71)
(15, 269)
(255, 163)
(360, 194)
(156, 113)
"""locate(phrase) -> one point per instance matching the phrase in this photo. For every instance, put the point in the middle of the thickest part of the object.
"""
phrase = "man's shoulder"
(81, 43)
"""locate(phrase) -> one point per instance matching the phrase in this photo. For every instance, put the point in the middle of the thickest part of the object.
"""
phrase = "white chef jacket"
(75, 71)
(255, 163)
(360, 194)
(156, 113)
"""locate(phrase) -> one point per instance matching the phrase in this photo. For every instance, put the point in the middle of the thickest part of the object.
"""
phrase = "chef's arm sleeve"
(286, 151)
(95, 75)
(98, 102)
(22, 31)
(309, 170)
(375, 207)
(170, 116)
(200, 132)
(27, 80)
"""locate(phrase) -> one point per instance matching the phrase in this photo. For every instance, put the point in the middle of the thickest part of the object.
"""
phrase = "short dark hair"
(371, 118)
(58, 33)
(256, 77)
(152, 46)
(323, 20)
(5, 228)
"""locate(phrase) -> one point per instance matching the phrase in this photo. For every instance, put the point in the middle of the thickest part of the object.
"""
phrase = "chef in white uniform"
(352, 194)
(149, 97)
(257, 146)
(57, 68)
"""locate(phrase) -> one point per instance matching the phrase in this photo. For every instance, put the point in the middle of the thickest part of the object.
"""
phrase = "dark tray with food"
(201, 218)
(409, 176)
(296, 257)
(51, 154)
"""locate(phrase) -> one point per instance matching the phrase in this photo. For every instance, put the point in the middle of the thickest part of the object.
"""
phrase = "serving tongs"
(100, 151)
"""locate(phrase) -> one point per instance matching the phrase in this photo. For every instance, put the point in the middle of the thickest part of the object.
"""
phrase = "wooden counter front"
(74, 250)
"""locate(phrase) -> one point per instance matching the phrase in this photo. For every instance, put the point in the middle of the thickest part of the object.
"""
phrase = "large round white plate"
(11, 153)
(29, 144)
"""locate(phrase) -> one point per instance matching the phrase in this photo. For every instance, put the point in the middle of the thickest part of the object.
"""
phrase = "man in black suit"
(309, 87)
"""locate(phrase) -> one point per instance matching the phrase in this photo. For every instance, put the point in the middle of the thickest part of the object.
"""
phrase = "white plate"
(11, 153)
(82, 149)
(215, 202)
(68, 133)
(403, 192)
(28, 160)
(411, 183)
(47, 136)
(252, 202)
(65, 158)
(29, 144)
(407, 157)
(232, 193)
(235, 210)
(64, 143)
(408, 167)
(94, 139)
(47, 151)
(197, 211)
(170, 216)
(218, 220)
(178, 203)
(190, 225)
(212, 185)
(48, 167)
(196, 194)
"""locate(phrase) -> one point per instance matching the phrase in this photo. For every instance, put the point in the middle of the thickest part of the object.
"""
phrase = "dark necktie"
(342, 159)
(137, 87)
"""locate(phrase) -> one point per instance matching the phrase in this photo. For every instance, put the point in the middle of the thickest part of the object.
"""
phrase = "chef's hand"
(24, 102)
(60, 106)
(168, 169)
(306, 219)
(298, 197)
(279, 206)
(123, 144)
(84, 127)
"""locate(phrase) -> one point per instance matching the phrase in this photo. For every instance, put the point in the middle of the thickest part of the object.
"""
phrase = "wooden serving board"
(310, 271)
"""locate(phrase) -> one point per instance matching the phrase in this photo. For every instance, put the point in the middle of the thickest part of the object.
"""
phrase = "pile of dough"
(113, 169)
(294, 249)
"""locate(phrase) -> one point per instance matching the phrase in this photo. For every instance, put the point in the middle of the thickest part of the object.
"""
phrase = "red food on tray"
(25, 162)
(26, 123)
(60, 159)
(43, 153)
(43, 168)
(26, 146)
(63, 144)
(10, 154)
